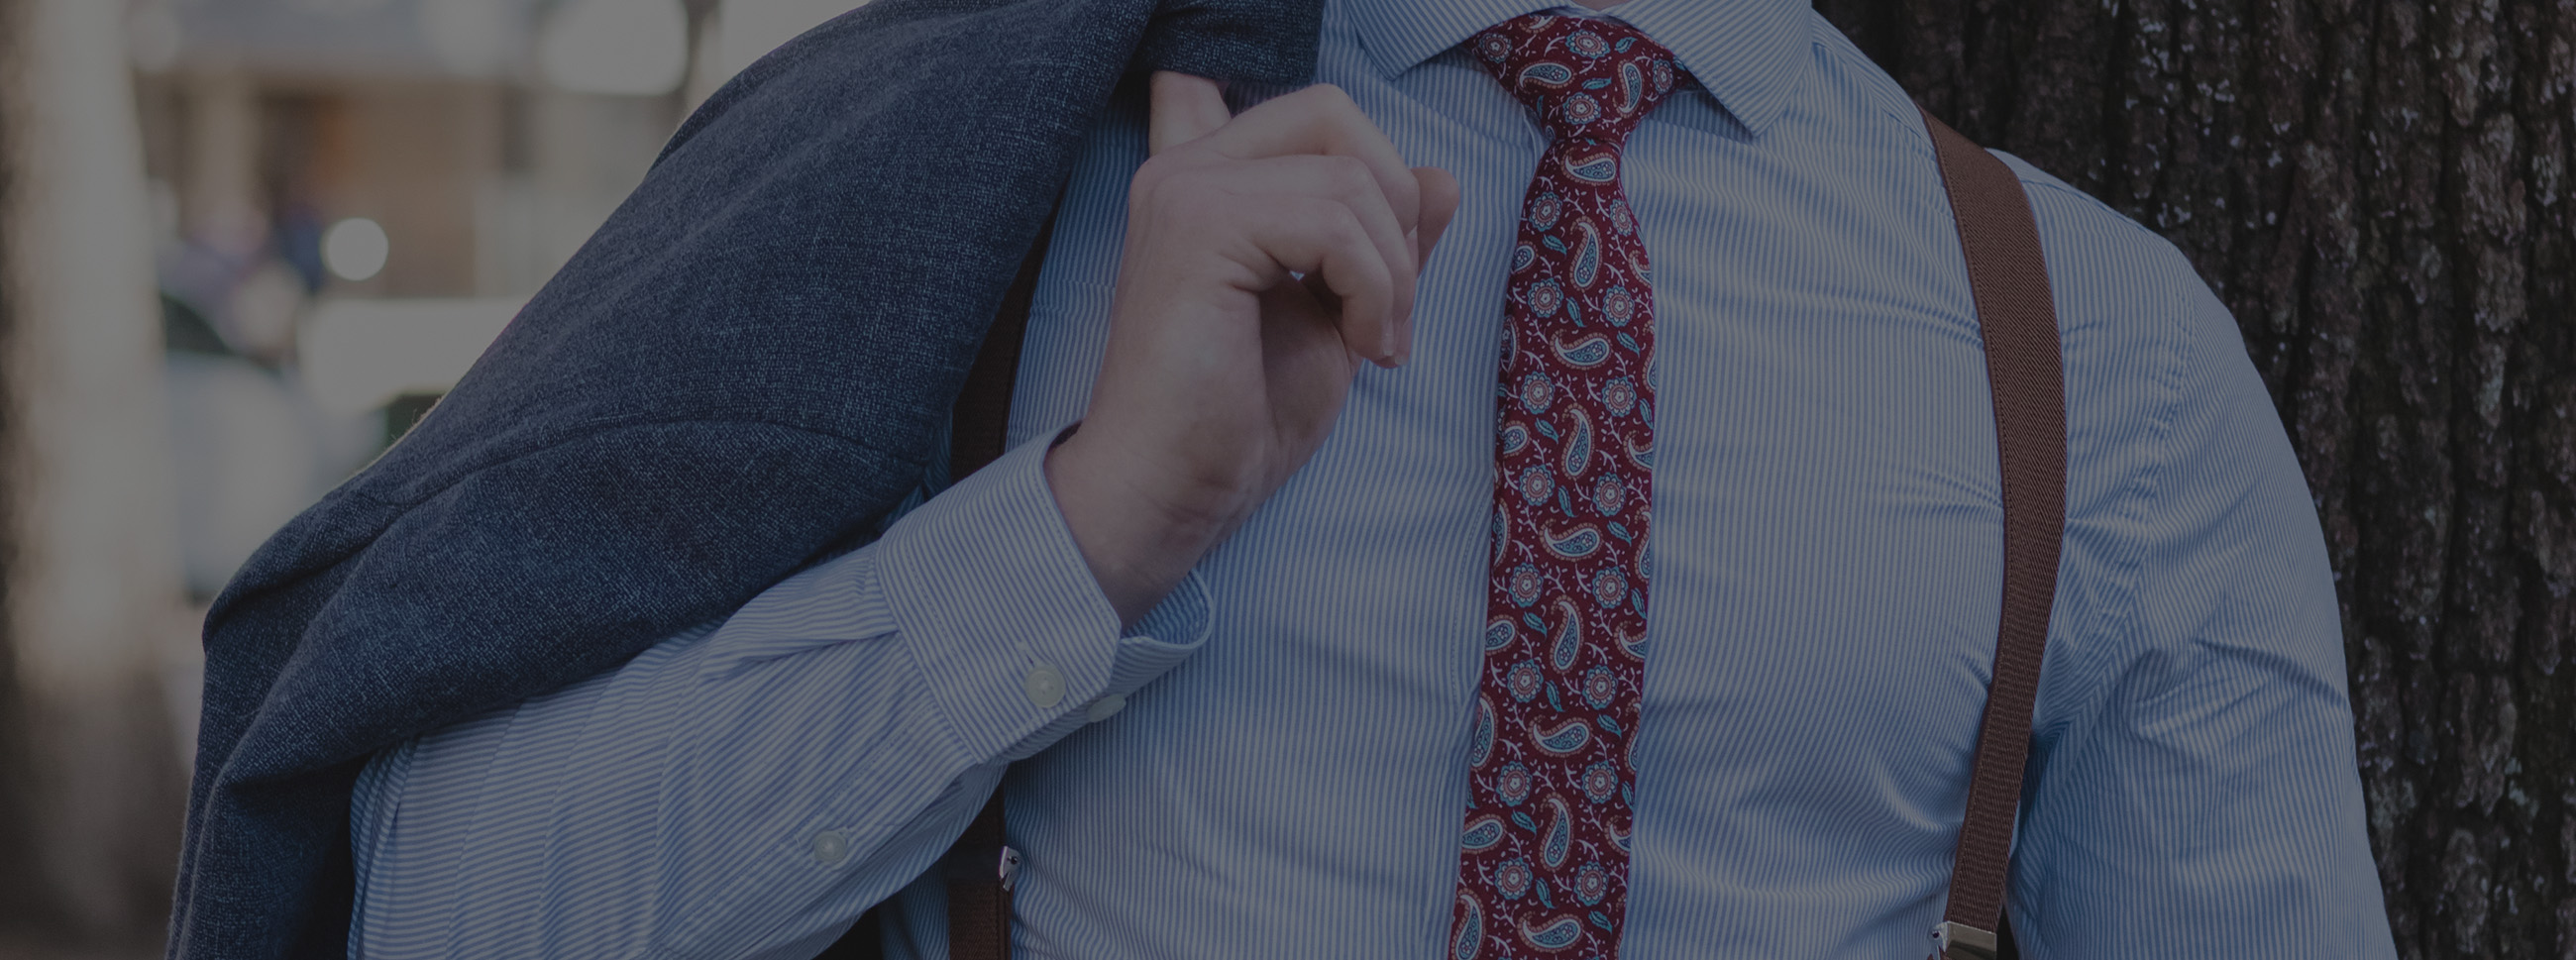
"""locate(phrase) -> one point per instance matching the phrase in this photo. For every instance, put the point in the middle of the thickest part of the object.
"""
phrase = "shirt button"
(1044, 685)
(830, 846)
(1105, 708)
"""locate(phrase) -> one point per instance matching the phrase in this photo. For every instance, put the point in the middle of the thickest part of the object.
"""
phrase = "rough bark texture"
(2381, 193)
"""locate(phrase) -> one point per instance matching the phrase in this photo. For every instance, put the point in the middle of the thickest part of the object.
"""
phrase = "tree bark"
(2380, 191)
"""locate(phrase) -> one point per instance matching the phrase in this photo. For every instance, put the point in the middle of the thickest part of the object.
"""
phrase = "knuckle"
(1350, 176)
(1343, 223)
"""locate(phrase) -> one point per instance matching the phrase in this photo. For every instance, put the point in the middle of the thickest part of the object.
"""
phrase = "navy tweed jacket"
(741, 373)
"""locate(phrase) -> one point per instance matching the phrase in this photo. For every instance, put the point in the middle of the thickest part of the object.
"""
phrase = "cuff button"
(830, 847)
(1105, 708)
(1044, 686)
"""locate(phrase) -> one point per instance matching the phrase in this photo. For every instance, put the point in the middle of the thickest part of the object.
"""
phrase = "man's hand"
(1267, 257)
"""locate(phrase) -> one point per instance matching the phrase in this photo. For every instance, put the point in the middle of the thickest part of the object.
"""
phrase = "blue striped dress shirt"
(1271, 763)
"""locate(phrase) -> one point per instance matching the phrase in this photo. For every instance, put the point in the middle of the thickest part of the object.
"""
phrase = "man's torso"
(1826, 546)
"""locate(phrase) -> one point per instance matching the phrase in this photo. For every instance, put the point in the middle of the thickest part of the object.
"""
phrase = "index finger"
(1322, 119)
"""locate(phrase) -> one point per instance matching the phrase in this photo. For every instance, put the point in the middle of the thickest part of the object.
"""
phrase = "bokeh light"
(356, 249)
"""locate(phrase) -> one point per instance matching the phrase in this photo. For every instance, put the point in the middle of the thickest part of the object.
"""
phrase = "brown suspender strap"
(979, 904)
(979, 898)
(2018, 322)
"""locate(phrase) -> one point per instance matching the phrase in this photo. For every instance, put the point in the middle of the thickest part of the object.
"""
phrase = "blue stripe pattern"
(1287, 773)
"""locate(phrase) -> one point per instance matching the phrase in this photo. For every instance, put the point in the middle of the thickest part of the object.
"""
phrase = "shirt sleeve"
(745, 789)
(2204, 800)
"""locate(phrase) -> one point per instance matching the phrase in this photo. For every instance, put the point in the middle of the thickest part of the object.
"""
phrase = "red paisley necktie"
(1543, 868)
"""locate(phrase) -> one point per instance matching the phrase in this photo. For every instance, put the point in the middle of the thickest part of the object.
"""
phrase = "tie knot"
(1589, 77)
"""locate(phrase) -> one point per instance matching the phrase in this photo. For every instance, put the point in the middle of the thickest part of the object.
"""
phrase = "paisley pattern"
(1554, 935)
(1587, 254)
(1482, 745)
(1470, 933)
(1596, 169)
(1565, 740)
(1549, 75)
(1565, 642)
(1585, 352)
(1558, 841)
(1575, 544)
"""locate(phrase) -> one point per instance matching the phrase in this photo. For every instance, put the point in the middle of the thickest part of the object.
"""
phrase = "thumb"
(1185, 109)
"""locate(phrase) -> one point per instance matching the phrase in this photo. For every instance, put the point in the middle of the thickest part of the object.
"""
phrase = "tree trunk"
(2380, 191)
(90, 780)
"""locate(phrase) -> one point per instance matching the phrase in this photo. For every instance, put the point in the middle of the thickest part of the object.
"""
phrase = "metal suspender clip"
(1009, 870)
(1960, 941)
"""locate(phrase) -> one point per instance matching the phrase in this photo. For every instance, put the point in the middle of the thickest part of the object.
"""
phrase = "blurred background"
(244, 244)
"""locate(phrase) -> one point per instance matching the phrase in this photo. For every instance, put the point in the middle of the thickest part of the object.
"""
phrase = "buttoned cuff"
(1000, 613)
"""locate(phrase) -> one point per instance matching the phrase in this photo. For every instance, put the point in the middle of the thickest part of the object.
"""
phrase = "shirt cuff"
(1000, 613)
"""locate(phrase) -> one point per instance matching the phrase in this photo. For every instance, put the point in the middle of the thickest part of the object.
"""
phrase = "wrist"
(1139, 542)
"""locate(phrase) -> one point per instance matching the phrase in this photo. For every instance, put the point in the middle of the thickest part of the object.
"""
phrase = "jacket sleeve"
(746, 788)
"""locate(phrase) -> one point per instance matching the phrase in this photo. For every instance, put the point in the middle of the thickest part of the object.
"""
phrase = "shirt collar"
(1749, 54)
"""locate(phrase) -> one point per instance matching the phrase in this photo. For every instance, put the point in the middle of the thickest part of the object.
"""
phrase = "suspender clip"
(1008, 869)
(1960, 941)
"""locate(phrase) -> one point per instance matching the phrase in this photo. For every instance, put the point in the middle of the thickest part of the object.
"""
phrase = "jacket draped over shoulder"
(742, 371)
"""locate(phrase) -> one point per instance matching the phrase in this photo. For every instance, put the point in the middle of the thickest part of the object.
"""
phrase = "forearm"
(766, 780)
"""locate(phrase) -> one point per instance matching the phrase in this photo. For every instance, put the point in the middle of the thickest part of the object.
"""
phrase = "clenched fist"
(1267, 256)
